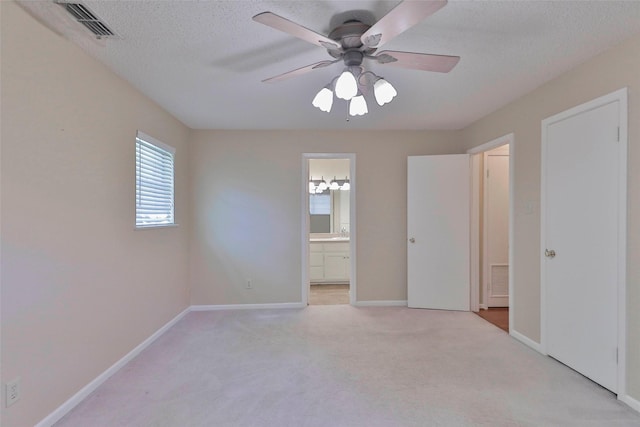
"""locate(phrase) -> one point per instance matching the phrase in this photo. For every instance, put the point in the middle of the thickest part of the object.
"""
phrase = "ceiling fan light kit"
(351, 86)
(352, 43)
(383, 91)
(324, 99)
(346, 86)
(358, 106)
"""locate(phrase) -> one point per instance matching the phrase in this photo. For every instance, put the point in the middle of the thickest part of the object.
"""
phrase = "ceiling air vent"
(83, 15)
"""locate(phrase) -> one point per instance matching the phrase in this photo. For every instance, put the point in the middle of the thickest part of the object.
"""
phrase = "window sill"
(155, 226)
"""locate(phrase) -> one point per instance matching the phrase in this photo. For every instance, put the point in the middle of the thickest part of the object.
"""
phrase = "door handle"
(549, 253)
(412, 240)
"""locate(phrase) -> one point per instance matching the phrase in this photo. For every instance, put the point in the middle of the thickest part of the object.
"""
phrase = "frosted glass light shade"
(358, 106)
(322, 185)
(346, 185)
(383, 91)
(323, 100)
(334, 184)
(346, 86)
(312, 187)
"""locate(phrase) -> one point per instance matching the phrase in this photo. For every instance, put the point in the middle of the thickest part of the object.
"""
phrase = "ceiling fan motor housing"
(348, 36)
(353, 58)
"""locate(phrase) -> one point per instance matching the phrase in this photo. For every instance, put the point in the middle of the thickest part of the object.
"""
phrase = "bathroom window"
(320, 204)
(320, 212)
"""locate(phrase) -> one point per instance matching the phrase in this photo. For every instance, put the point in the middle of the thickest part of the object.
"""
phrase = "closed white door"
(438, 232)
(496, 236)
(580, 240)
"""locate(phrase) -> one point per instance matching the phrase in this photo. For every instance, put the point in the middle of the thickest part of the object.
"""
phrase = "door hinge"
(487, 173)
(618, 138)
(616, 355)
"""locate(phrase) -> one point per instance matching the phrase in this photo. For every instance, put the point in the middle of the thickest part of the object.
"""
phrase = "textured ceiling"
(203, 61)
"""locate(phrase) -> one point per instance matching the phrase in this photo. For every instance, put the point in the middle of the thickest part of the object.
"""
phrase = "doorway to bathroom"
(328, 229)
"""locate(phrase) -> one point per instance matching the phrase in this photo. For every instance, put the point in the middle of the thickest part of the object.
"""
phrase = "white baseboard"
(74, 400)
(247, 306)
(381, 303)
(633, 403)
(483, 307)
(526, 341)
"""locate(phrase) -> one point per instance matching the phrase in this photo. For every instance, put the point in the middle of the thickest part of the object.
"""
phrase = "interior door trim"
(475, 225)
(619, 96)
(486, 266)
(306, 226)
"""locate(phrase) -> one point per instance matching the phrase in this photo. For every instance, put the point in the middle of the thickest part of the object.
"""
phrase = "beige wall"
(80, 287)
(612, 70)
(247, 220)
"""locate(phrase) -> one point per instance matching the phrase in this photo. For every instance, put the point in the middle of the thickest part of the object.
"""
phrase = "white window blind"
(320, 204)
(154, 182)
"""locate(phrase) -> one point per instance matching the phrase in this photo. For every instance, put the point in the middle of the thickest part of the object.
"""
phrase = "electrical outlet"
(249, 284)
(13, 392)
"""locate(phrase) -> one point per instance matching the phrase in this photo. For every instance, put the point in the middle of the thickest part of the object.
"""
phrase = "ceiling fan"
(353, 42)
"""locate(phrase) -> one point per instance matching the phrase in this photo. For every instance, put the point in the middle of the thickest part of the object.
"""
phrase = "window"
(154, 182)
(320, 204)
(320, 212)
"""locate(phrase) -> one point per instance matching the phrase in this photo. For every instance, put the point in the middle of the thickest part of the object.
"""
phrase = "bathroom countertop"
(329, 239)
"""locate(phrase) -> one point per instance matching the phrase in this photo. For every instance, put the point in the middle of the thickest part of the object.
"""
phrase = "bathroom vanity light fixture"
(318, 186)
(345, 185)
(352, 85)
(334, 184)
(322, 185)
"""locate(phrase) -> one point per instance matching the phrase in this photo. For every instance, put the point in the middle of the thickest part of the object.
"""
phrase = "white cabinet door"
(336, 266)
(316, 262)
(329, 262)
(316, 274)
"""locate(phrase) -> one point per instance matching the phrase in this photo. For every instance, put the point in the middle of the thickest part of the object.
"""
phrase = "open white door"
(438, 232)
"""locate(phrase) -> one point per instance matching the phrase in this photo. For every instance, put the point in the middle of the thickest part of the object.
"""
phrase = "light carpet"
(345, 366)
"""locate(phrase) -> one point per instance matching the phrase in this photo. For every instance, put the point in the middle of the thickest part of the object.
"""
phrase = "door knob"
(412, 240)
(549, 253)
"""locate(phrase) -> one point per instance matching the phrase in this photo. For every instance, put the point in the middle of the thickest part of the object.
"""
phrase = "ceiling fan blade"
(402, 17)
(299, 71)
(417, 61)
(279, 23)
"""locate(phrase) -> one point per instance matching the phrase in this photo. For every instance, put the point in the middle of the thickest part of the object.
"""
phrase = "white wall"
(612, 70)
(80, 287)
(246, 205)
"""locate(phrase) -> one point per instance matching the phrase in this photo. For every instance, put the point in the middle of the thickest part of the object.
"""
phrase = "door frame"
(306, 283)
(476, 152)
(621, 97)
(486, 266)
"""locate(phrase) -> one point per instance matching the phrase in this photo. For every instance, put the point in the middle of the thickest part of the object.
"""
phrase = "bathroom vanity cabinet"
(329, 261)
